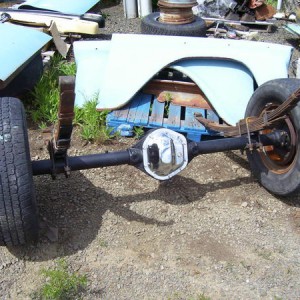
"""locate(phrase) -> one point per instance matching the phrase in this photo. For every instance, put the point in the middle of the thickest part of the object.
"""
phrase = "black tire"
(26, 79)
(18, 210)
(151, 25)
(277, 169)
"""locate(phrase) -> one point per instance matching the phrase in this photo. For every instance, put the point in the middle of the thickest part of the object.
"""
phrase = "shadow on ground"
(76, 207)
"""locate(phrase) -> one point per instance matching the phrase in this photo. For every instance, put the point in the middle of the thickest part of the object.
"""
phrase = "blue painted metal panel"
(18, 44)
(77, 7)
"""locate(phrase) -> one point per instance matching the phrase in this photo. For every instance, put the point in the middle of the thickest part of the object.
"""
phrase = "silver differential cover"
(164, 153)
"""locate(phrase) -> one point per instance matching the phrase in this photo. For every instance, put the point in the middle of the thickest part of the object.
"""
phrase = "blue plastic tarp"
(77, 7)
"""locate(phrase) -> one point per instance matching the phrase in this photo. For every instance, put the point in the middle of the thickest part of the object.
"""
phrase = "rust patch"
(176, 13)
(264, 12)
(183, 99)
(178, 92)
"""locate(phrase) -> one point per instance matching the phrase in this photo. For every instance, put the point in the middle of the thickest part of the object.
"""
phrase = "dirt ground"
(212, 230)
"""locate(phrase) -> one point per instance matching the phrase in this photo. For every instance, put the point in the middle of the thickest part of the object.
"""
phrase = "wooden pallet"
(145, 111)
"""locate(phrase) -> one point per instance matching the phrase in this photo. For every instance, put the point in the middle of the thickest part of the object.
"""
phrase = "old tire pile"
(151, 25)
(18, 210)
(278, 169)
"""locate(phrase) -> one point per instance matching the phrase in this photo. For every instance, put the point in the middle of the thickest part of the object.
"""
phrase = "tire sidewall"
(276, 91)
(151, 25)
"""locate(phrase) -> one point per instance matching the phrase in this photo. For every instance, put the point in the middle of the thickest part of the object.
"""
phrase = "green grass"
(61, 284)
(92, 122)
(272, 2)
(138, 132)
(45, 96)
(44, 100)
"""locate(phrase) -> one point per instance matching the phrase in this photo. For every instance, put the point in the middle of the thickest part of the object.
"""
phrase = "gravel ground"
(212, 230)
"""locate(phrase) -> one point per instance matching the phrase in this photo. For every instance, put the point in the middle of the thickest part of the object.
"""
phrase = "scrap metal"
(253, 124)
(176, 12)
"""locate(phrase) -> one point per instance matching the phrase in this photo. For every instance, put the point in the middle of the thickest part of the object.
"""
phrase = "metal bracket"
(61, 136)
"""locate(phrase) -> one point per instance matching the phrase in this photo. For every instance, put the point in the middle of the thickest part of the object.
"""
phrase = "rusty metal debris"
(264, 12)
(178, 92)
(63, 131)
(176, 12)
(254, 124)
(59, 139)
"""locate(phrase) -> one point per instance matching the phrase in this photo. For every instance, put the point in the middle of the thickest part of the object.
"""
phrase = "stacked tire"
(151, 25)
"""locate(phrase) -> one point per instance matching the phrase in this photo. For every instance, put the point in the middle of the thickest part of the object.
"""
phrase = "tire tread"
(18, 211)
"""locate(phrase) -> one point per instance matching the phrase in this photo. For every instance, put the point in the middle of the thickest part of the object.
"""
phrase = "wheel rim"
(280, 160)
(176, 12)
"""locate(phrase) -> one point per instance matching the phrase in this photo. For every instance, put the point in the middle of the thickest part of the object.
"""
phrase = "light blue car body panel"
(18, 45)
(66, 6)
(225, 70)
(215, 77)
(91, 58)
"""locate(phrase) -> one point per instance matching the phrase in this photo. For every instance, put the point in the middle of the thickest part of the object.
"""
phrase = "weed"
(45, 96)
(168, 100)
(61, 284)
(168, 97)
(229, 267)
(43, 125)
(267, 255)
(103, 243)
(45, 100)
(272, 2)
(200, 297)
(245, 265)
(138, 132)
(92, 122)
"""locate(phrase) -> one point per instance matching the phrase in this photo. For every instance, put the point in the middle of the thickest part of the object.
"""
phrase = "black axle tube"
(218, 145)
(75, 163)
(134, 156)
(277, 138)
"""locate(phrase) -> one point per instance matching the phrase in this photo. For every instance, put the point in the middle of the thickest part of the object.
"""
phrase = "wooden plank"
(190, 123)
(121, 114)
(142, 113)
(173, 120)
(156, 118)
(134, 104)
(211, 115)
